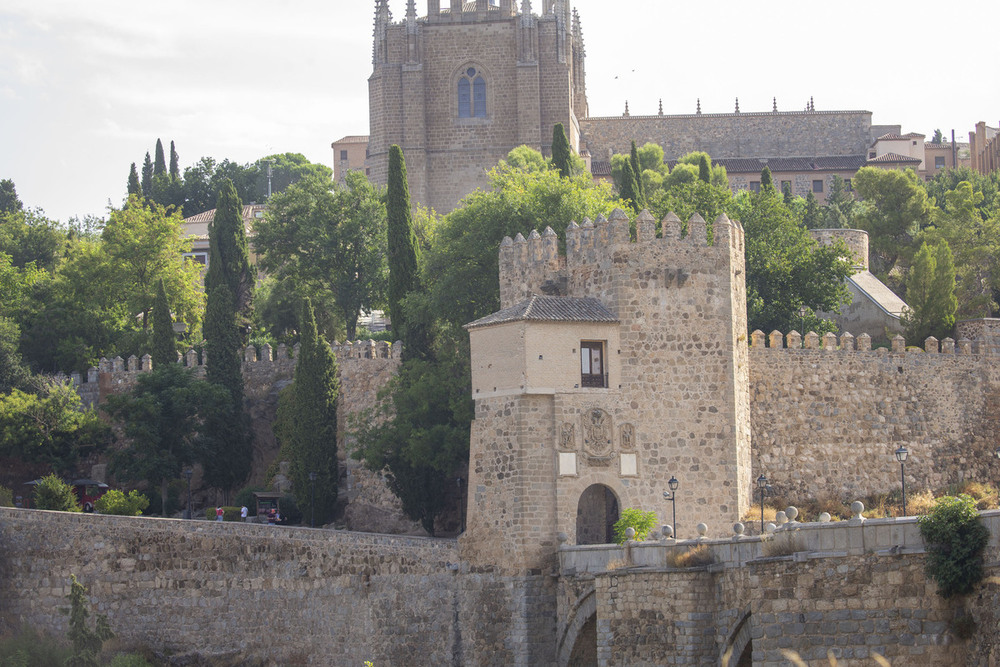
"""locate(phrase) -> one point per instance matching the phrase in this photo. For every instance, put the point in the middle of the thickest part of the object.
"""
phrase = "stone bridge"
(275, 596)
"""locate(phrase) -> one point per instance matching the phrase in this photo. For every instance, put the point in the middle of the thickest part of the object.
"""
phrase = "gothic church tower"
(462, 86)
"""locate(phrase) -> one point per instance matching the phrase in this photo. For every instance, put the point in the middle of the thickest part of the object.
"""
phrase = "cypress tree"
(561, 157)
(766, 182)
(133, 183)
(147, 176)
(786, 192)
(640, 192)
(306, 424)
(175, 169)
(164, 350)
(704, 169)
(813, 216)
(402, 243)
(160, 163)
(229, 449)
(629, 188)
(229, 262)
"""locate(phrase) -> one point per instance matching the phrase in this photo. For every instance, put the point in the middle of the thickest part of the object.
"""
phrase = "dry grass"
(781, 544)
(615, 564)
(753, 514)
(796, 660)
(693, 557)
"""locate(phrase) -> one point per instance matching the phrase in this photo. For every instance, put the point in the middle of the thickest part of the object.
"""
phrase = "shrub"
(244, 498)
(290, 511)
(6, 497)
(116, 502)
(643, 522)
(51, 493)
(28, 648)
(129, 660)
(955, 539)
(781, 544)
(693, 557)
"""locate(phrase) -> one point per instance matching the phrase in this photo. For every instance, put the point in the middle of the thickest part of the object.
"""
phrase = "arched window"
(472, 94)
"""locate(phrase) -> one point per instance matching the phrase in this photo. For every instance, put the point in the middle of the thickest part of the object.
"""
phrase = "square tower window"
(593, 370)
(817, 186)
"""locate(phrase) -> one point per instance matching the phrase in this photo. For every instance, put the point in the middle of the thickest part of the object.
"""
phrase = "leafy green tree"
(404, 276)
(785, 268)
(147, 176)
(49, 427)
(29, 237)
(639, 520)
(561, 151)
(144, 245)
(6, 497)
(930, 294)
(290, 168)
(938, 137)
(9, 202)
(159, 162)
(161, 421)
(327, 241)
(975, 243)
(164, 349)
(526, 158)
(228, 260)
(87, 643)
(51, 493)
(306, 424)
(786, 193)
(133, 183)
(118, 503)
(704, 169)
(894, 208)
(13, 372)
(955, 538)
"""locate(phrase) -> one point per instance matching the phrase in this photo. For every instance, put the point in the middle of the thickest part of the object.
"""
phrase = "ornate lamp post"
(188, 472)
(901, 455)
(312, 500)
(672, 497)
(762, 485)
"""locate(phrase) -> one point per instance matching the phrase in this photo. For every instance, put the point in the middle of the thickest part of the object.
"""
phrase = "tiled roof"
(352, 139)
(600, 168)
(549, 309)
(894, 158)
(753, 165)
(899, 137)
(249, 213)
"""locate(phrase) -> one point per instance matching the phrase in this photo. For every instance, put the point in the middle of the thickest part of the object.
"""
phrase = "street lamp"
(762, 485)
(312, 500)
(901, 455)
(188, 473)
(803, 311)
(672, 497)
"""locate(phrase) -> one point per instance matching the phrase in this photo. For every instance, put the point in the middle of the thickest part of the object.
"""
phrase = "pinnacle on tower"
(661, 106)
(411, 10)
(737, 105)
(626, 109)
(774, 105)
(812, 105)
(526, 7)
(698, 110)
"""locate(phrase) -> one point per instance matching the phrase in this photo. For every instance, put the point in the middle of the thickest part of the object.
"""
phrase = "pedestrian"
(244, 512)
(219, 513)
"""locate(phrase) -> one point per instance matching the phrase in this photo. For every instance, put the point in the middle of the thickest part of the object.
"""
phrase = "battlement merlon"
(533, 266)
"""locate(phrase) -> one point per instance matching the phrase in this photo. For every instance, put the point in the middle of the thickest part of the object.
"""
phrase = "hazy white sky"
(86, 88)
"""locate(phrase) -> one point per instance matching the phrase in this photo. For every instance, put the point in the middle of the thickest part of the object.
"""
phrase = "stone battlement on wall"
(535, 266)
(846, 342)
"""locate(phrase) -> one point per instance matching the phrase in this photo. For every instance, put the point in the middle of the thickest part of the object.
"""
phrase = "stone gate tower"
(462, 86)
(606, 372)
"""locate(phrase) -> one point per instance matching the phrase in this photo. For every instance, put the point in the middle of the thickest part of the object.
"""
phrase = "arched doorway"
(596, 515)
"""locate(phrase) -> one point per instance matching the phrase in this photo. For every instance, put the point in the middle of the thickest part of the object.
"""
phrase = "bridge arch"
(596, 514)
(579, 638)
(739, 647)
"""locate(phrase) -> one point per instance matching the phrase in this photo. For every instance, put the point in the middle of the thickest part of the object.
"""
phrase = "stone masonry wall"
(777, 134)
(827, 421)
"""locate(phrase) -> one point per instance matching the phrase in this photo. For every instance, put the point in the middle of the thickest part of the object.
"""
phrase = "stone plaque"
(629, 465)
(567, 464)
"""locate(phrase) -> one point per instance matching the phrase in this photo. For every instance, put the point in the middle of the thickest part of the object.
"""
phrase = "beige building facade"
(984, 146)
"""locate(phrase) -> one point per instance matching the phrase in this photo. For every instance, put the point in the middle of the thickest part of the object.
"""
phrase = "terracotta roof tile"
(894, 158)
(753, 165)
(549, 309)
(353, 139)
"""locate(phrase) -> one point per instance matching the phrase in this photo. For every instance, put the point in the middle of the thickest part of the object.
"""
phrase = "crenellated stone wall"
(827, 417)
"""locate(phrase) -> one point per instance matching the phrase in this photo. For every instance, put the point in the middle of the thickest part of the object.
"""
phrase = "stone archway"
(596, 514)
(739, 648)
(578, 644)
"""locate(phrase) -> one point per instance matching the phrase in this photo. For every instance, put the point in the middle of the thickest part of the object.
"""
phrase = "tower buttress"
(380, 46)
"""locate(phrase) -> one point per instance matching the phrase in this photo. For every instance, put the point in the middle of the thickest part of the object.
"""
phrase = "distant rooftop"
(549, 309)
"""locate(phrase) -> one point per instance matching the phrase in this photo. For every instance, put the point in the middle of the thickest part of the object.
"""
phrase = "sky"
(86, 88)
